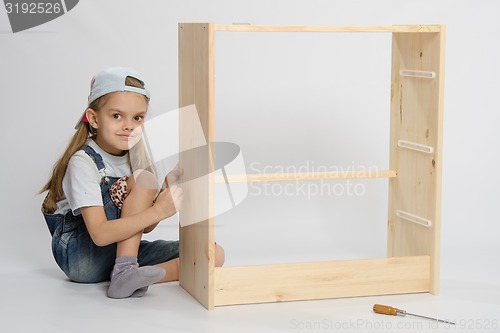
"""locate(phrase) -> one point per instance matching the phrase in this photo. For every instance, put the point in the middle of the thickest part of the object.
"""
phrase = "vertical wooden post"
(196, 86)
(416, 118)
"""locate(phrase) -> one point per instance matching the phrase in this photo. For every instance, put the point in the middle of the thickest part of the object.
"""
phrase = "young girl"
(100, 200)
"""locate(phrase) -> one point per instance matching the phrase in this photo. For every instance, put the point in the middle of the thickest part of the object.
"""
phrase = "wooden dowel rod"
(307, 176)
(277, 28)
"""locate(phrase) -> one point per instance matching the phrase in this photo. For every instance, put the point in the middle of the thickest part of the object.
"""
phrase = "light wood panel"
(196, 86)
(304, 281)
(416, 116)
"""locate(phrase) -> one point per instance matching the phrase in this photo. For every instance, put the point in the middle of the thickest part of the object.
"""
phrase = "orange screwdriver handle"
(388, 310)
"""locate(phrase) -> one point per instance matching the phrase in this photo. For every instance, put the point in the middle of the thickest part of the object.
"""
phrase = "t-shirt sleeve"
(81, 183)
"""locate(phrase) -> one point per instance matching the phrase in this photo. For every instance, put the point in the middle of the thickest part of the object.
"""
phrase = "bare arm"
(172, 178)
(150, 228)
(104, 232)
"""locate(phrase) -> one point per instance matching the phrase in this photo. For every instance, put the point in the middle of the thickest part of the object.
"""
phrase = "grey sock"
(140, 292)
(128, 279)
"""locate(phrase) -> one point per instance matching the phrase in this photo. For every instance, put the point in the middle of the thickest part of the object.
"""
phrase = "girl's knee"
(141, 186)
(142, 179)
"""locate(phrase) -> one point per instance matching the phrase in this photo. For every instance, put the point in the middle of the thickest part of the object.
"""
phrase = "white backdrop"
(271, 92)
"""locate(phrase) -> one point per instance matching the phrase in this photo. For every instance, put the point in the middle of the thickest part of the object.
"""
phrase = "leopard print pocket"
(118, 192)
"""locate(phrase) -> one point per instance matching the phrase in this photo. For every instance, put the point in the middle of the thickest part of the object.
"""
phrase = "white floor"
(37, 297)
(45, 301)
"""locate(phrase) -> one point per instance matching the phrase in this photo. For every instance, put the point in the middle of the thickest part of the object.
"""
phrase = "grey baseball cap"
(112, 80)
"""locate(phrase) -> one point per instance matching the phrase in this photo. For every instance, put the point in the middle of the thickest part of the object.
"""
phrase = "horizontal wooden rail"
(321, 280)
(289, 28)
(306, 176)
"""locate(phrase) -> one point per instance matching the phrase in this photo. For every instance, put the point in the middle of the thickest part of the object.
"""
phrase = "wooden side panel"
(196, 86)
(416, 116)
(305, 281)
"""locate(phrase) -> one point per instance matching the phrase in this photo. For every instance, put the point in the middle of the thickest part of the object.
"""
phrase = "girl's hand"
(169, 201)
(174, 176)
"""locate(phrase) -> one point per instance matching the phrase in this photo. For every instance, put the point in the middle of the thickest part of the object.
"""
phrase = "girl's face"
(119, 122)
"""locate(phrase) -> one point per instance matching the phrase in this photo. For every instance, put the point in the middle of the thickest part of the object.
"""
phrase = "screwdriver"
(389, 310)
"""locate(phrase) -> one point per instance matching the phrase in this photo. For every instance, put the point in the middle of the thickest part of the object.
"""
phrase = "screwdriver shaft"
(430, 318)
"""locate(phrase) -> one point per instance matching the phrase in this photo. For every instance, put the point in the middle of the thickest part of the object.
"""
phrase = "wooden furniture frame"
(414, 175)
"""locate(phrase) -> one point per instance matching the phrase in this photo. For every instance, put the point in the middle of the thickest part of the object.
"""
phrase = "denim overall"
(75, 252)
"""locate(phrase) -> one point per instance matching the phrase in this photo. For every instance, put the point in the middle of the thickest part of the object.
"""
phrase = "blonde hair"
(139, 158)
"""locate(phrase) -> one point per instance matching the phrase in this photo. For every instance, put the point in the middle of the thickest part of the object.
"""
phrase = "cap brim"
(80, 120)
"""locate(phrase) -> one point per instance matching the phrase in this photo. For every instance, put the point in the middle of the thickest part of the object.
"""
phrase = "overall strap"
(96, 158)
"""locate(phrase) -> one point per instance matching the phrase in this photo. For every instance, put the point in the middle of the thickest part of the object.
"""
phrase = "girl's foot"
(128, 279)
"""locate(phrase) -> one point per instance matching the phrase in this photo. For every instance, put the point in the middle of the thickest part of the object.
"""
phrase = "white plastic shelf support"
(415, 146)
(416, 73)
(414, 218)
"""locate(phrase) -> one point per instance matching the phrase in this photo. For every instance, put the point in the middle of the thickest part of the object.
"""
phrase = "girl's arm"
(173, 177)
(151, 227)
(104, 232)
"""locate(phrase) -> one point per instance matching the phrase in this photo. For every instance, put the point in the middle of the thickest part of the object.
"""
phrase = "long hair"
(138, 155)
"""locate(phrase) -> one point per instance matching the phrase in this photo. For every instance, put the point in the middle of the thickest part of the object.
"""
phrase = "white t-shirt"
(81, 182)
